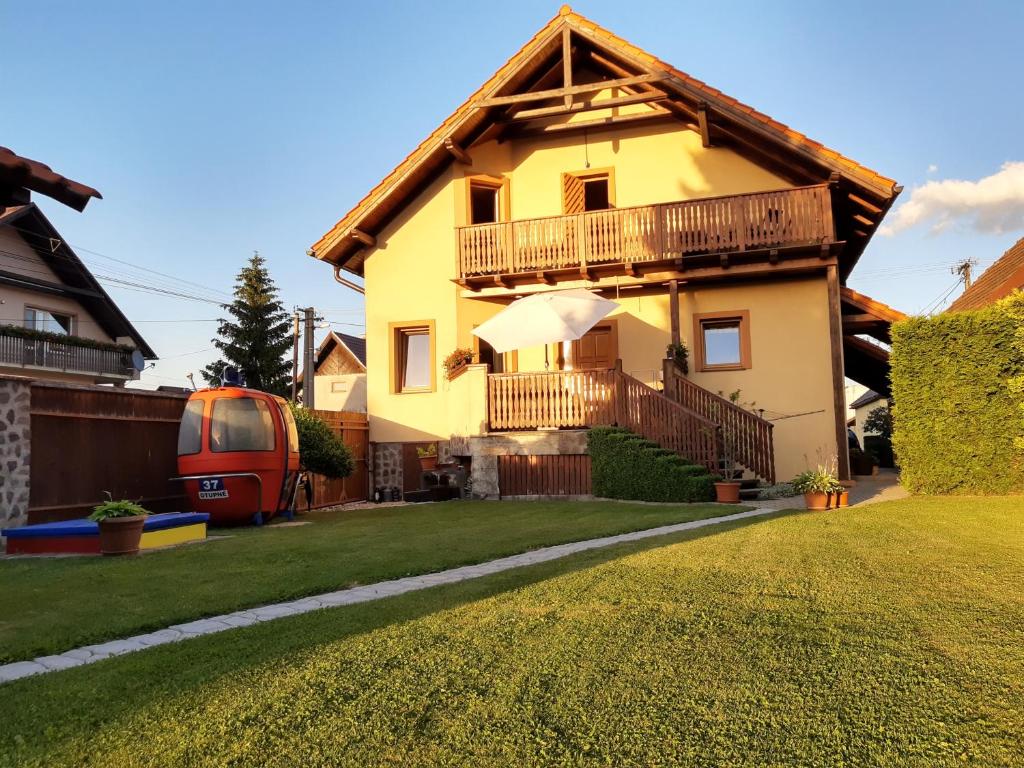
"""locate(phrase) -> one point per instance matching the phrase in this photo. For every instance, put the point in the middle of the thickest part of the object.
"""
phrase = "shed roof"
(17, 171)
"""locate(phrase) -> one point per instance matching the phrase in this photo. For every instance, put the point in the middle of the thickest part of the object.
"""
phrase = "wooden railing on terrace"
(785, 217)
(589, 398)
(64, 356)
(743, 435)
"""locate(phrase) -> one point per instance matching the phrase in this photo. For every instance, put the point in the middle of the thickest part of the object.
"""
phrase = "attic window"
(44, 320)
(485, 199)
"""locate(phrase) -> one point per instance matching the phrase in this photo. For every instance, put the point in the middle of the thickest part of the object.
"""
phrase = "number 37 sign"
(212, 488)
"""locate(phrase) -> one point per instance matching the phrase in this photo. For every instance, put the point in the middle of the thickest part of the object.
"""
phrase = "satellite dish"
(138, 361)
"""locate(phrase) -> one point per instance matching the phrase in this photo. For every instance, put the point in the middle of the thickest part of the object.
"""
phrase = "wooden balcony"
(628, 239)
(69, 357)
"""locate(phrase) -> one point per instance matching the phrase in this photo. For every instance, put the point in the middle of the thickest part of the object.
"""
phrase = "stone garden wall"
(15, 450)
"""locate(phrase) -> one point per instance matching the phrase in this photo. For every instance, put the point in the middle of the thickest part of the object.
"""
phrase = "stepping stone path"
(91, 653)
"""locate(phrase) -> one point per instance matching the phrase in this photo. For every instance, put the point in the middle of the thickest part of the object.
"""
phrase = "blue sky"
(214, 129)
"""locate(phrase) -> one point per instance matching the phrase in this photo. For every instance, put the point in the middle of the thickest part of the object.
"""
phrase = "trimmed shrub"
(958, 400)
(320, 450)
(626, 466)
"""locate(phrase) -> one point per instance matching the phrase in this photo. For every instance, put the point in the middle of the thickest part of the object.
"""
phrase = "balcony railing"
(64, 356)
(761, 220)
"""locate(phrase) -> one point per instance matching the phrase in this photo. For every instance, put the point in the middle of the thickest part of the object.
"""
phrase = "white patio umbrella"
(544, 318)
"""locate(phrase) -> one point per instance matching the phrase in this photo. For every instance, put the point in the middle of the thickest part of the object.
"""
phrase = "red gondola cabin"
(238, 454)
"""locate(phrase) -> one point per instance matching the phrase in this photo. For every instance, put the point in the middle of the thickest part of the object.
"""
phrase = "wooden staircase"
(742, 435)
(698, 425)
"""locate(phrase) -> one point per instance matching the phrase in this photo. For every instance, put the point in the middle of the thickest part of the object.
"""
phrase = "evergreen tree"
(257, 337)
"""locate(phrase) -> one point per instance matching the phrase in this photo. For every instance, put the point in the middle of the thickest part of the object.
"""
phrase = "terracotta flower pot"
(839, 500)
(816, 500)
(727, 493)
(121, 535)
(428, 463)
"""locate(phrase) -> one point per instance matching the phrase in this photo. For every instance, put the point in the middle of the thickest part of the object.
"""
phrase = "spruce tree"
(257, 336)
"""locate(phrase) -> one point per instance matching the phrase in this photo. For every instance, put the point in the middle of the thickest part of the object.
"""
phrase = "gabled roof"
(354, 345)
(999, 280)
(772, 143)
(21, 172)
(76, 281)
(866, 399)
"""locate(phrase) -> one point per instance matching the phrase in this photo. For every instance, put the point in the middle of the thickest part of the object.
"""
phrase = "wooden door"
(598, 348)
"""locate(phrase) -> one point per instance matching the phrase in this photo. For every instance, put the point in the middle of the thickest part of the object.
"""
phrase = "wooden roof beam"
(871, 208)
(647, 97)
(604, 122)
(567, 65)
(554, 93)
(457, 152)
(368, 240)
(702, 123)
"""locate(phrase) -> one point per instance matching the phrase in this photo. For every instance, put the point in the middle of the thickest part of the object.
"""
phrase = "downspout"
(347, 283)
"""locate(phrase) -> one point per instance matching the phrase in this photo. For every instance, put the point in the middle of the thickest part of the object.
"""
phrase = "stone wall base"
(484, 451)
(15, 451)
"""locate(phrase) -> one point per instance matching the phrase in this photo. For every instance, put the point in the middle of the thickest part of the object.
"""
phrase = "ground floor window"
(722, 340)
(412, 357)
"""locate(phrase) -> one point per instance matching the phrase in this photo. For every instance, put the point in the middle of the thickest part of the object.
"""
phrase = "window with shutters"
(590, 190)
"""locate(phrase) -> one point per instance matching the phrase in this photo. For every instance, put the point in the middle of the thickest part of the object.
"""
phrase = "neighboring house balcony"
(720, 232)
(699, 425)
(72, 356)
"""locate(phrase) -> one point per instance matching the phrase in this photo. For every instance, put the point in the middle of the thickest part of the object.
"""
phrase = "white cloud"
(933, 168)
(993, 204)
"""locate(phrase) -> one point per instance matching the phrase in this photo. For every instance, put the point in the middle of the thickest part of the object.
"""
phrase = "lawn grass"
(50, 605)
(883, 635)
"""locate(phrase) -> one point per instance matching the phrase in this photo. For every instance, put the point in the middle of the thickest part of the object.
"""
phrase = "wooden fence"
(566, 475)
(354, 432)
(87, 440)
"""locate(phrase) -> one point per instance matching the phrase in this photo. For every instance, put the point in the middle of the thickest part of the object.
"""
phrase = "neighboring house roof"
(76, 281)
(773, 143)
(21, 172)
(867, 398)
(999, 280)
(355, 346)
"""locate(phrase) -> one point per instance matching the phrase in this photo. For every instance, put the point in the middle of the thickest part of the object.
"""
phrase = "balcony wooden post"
(673, 309)
(740, 223)
(509, 236)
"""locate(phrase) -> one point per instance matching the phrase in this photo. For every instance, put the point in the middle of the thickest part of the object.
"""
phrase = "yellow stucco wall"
(409, 276)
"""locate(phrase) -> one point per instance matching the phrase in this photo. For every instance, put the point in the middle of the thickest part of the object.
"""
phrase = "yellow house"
(587, 162)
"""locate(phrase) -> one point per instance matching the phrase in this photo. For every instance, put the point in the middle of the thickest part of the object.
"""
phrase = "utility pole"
(964, 270)
(295, 358)
(307, 360)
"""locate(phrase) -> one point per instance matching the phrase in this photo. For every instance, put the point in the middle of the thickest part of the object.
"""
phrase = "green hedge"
(626, 466)
(958, 400)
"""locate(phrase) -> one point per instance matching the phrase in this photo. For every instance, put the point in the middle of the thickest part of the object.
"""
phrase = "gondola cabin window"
(241, 424)
(190, 433)
(412, 358)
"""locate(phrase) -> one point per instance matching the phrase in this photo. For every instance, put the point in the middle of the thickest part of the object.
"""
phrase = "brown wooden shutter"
(572, 194)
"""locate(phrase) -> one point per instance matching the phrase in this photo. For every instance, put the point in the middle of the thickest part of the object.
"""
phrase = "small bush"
(626, 466)
(320, 450)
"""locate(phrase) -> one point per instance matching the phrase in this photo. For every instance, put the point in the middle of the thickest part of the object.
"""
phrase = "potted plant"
(818, 487)
(456, 361)
(120, 524)
(727, 490)
(679, 354)
(428, 457)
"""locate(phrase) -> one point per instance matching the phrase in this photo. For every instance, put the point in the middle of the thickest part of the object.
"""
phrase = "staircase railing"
(744, 435)
(588, 398)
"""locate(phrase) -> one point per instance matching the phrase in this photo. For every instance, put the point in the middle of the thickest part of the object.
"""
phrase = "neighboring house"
(862, 408)
(999, 280)
(339, 382)
(586, 162)
(56, 321)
